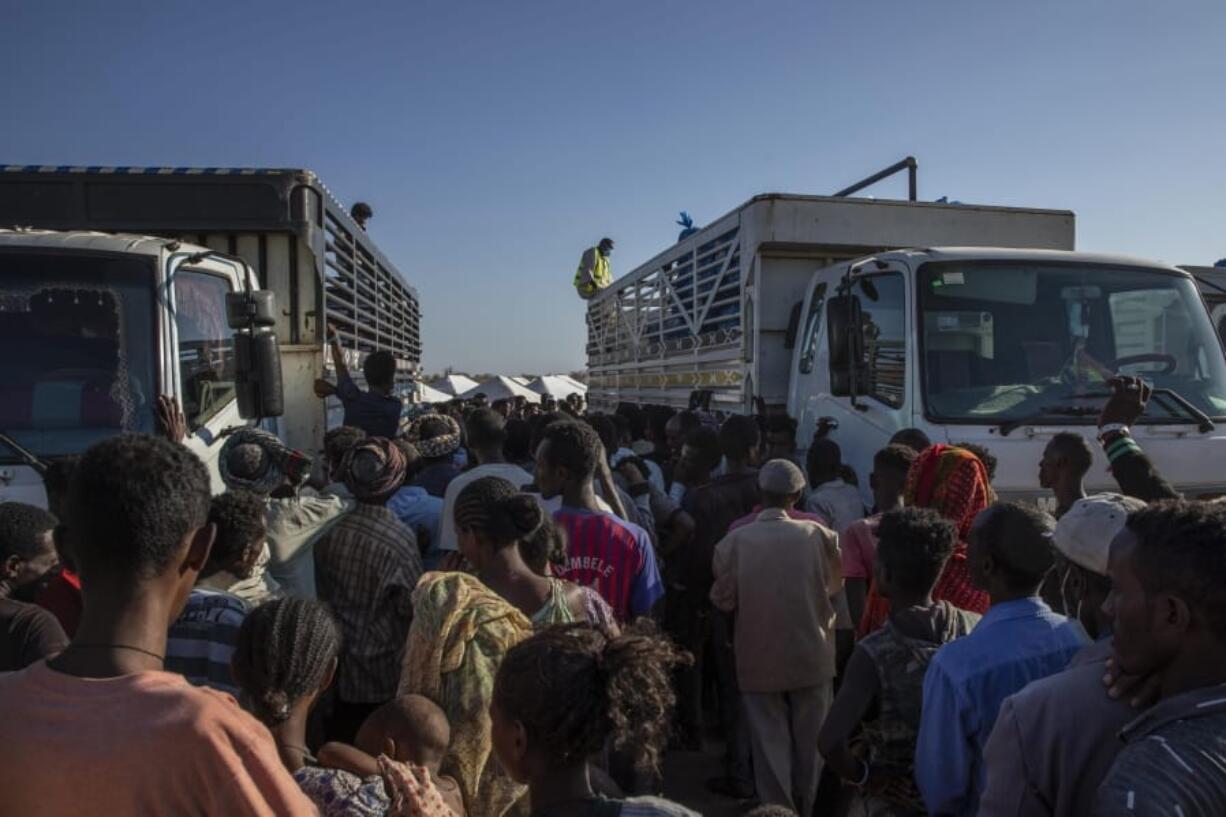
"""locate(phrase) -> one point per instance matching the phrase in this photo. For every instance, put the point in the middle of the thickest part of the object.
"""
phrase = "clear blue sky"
(497, 139)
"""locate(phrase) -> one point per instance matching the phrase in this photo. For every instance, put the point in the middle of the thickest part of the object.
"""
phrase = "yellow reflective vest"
(601, 275)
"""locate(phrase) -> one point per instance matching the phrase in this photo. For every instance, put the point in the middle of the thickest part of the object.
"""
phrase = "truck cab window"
(206, 347)
(1005, 341)
(884, 329)
(811, 338)
(76, 349)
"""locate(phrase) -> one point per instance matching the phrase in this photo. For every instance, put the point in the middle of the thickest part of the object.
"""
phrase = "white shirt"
(294, 525)
(448, 538)
(838, 502)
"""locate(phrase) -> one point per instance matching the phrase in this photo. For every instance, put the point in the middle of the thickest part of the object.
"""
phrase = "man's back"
(145, 743)
(837, 501)
(368, 565)
(778, 574)
(612, 556)
(1041, 761)
(1015, 643)
(1173, 760)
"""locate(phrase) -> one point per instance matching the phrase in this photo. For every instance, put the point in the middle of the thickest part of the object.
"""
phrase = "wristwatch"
(1112, 428)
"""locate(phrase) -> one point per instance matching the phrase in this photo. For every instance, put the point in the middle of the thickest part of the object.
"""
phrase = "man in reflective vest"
(594, 273)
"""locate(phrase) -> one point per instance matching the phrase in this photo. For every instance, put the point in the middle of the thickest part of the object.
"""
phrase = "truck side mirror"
(257, 355)
(846, 344)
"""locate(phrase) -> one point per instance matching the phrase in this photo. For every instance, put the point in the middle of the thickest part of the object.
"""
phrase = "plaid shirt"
(366, 568)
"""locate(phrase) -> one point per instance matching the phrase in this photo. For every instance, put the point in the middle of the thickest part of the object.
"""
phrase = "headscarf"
(435, 447)
(460, 632)
(255, 460)
(373, 469)
(955, 483)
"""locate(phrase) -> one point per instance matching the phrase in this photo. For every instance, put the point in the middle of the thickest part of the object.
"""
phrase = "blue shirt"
(1015, 643)
(423, 514)
(202, 640)
(376, 414)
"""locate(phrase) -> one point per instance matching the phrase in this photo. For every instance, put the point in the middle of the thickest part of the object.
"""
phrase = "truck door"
(204, 348)
(880, 406)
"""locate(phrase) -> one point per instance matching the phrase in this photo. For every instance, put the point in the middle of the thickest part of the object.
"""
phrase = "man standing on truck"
(594, 273)
(375, 411)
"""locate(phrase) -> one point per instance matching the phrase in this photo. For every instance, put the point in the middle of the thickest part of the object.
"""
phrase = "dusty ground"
(685, 774)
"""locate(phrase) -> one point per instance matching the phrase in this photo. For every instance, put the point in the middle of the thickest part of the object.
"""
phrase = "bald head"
(416, 724)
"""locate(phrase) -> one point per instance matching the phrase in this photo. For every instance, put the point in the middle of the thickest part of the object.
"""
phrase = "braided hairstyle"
(573, 688)
(496, 508)
(283, 652)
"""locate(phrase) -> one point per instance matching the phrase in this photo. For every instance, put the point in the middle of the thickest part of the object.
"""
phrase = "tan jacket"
(779, 576)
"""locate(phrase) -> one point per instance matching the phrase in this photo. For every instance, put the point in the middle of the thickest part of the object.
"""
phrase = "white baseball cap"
(1084, 534)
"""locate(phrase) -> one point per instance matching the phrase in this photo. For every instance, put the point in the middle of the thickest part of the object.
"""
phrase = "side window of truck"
(206, 347)
(884, 326)
(813, 324)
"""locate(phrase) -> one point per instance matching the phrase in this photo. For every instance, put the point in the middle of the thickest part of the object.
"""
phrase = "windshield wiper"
(1009, 426)
(1169, 400)
(29, 458)
(1167, 397)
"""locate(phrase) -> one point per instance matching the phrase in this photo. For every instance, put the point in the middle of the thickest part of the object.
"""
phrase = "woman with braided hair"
(285, 659)
(491, 518)
(564, 694)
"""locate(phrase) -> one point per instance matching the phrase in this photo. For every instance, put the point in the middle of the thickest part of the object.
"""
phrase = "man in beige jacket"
(778, 575)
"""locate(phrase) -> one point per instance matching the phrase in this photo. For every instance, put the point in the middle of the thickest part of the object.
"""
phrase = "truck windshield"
(77, 348)
(1007, 341)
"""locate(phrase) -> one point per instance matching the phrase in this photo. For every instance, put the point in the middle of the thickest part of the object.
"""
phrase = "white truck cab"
(93, 327)
(1005, 348)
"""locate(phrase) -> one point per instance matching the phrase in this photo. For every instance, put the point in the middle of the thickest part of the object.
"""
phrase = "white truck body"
(964, 369)
(279, 230)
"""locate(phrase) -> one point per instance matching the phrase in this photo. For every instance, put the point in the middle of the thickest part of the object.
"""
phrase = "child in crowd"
(882, 689)
(202, 638)
(562, 696)
(411, 729)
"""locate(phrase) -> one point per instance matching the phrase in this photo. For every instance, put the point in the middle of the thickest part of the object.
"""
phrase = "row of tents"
(455, 386)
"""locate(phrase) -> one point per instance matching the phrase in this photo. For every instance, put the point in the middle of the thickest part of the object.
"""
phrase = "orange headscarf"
(955, 483)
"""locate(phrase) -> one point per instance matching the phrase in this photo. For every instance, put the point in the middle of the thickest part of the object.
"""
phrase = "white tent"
(427, 394)
(523, 381)
(454, 384)
(556, 386)
(579, 385)
(502, 388)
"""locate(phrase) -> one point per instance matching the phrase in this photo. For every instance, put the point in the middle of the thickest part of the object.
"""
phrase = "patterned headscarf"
(255, 460)
(435, 447)
(373, 469)
(953, 482)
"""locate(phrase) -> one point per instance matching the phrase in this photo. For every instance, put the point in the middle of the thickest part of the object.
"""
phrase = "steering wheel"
(1171, 362)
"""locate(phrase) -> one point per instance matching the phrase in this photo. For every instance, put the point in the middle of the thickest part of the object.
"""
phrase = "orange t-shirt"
(142, 744)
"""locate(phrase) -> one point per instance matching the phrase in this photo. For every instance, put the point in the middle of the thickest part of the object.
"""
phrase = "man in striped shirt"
(1168, 602)
(606, 553)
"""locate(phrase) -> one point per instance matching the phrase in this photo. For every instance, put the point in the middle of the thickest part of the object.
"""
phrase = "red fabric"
(62, 598)
(954, 482)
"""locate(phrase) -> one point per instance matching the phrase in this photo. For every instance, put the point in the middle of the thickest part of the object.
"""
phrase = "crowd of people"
(517, 609)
